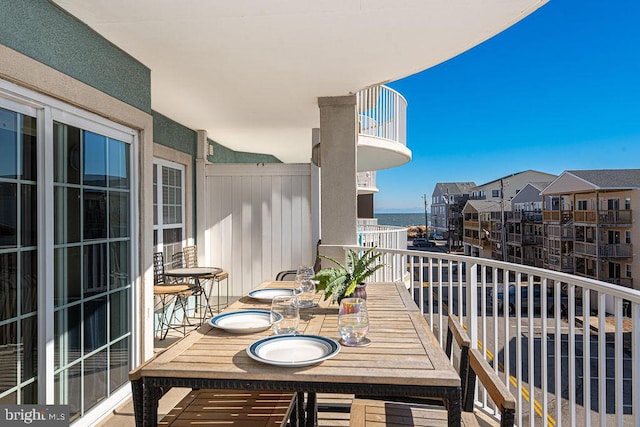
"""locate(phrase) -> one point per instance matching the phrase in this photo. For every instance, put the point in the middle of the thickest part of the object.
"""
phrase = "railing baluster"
(544, 372)
(586, 356)
(572, 354)
(518, 302)
(530, 362)
(619, 359)
(635, 362)
(558, 353)
(602, 359)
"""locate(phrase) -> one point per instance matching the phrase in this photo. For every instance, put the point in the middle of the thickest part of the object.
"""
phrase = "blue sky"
(558, 91)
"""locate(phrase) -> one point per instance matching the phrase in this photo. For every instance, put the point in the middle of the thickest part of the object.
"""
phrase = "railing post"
(472, 304)
(635, 360)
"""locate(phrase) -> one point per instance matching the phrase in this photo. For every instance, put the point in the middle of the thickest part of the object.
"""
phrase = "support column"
(202, 234)
(338, 154)
(316, 188)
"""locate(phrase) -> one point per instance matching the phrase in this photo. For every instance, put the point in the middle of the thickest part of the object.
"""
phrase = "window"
(627, 203)
(582, 205)
(495, 193)
(627, 237)
(613, 204)
(168, 204)
(628, 271)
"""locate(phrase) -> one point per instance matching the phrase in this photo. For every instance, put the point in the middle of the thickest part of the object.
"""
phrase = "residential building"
(524, 227)
(589, 218)
(137, 127)
(489, 238)
(447, 201)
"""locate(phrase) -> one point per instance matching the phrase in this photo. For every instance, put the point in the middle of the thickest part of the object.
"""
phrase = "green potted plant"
(342, 281)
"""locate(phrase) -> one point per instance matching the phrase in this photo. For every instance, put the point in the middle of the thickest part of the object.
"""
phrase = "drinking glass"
(353, 322)
(285, 315)
(304, 272)
(306, 293)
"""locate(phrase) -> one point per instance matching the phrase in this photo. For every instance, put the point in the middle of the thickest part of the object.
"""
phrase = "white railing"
(594, 326)
(384, 237)
(382, 113)
(366, 179)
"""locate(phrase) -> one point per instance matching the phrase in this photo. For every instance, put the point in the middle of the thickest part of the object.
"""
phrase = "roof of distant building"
(455, 188)
(610, 178)
(551, 176)
(488, 205)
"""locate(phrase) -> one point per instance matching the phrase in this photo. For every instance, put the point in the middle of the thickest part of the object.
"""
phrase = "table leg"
(151, 395)
(454, 407)
(136, 392)
(300, 409)
(312, 410)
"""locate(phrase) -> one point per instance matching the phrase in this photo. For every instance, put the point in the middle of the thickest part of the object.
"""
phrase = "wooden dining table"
(403, 359)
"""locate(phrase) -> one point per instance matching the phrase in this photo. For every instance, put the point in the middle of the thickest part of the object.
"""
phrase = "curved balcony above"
(367, 182)
(382, 129)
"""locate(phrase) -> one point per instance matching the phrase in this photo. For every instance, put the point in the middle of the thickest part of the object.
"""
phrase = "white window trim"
(160, 226)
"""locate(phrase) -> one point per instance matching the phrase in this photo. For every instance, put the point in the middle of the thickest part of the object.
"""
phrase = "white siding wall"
(258, 221)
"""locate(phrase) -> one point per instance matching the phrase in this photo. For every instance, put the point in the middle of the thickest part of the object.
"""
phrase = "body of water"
(400, 219)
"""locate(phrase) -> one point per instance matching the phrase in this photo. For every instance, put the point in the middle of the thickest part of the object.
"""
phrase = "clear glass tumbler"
(353, 322)
(285, 314)
(306, 293)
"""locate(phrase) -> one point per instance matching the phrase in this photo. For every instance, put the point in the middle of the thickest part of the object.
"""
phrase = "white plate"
(242, 322)
(293, 350)
(267, 294)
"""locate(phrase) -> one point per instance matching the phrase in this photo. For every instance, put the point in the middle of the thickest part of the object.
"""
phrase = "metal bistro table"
(198, 274)
(404, 359)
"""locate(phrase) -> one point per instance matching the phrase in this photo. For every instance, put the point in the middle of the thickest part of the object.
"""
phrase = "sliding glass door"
(74, 171)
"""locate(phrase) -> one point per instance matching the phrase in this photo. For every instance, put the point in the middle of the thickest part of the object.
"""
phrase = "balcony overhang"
(250, 72)
(379, 153)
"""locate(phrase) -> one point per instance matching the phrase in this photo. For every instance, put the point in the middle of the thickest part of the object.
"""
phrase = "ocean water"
(400, 219)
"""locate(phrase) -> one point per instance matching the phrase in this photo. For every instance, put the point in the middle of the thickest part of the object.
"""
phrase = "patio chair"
(375, 412)
(190, 254)
(172, 297)
(233, 408)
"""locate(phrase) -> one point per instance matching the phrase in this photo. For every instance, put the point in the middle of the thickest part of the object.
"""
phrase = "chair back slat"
(190, 256)
(158, 268)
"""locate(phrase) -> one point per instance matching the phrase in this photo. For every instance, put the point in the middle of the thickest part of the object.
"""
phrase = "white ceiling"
(250, 71)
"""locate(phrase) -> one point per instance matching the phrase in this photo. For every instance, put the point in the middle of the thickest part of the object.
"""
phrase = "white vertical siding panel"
(276, 226)
(308, 247)
(265, 207)
(256, 231)
(286, 224)
(296, 223)
(236, 239)
(246, 231)
(260, 221)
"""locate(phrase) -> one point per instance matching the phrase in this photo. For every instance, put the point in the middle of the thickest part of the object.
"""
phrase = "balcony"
(366, 182)
(563, 217)
(616, 218)
(593, 326)
(382, 129)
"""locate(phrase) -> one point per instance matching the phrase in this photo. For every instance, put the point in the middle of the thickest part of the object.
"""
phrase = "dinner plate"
(293, 350)
(267, 294)
(243, 321)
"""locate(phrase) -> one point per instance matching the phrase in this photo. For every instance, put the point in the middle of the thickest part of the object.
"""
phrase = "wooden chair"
(377, 413)
(233, 408)
(168, 293)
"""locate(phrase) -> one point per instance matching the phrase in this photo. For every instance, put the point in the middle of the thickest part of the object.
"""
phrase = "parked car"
(423, 243)
(524, 300)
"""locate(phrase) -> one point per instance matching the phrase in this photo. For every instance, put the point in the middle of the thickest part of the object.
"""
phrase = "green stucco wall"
(41, 30)
(173, 134)
(222, 154)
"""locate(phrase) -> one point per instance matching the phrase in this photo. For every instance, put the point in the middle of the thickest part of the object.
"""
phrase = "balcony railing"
(382, 114)
(613, 217)
(556, 339)
(366, 180)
